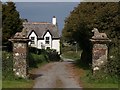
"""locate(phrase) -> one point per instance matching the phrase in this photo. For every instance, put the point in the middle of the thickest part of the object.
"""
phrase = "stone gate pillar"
(20, 52)
(99, 50)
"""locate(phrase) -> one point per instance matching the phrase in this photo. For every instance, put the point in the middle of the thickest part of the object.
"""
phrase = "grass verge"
(21, 83)
(17, 84)
(72, 54)
(88, 81)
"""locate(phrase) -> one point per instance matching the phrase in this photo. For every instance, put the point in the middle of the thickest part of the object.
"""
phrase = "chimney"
(54, 20)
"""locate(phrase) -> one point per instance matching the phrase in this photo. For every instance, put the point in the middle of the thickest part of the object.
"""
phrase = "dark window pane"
(32, 38)
(47, 38)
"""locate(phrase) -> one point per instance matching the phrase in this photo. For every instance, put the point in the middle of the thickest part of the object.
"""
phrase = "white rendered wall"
(56, 45)
(41, 44)
(33, 35)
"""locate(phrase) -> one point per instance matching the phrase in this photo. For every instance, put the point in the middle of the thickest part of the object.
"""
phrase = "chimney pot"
(54, 20)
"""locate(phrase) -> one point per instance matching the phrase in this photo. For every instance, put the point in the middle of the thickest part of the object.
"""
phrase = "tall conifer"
(11, 22)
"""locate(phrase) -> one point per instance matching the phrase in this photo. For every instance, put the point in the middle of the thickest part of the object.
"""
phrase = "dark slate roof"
(40, 28)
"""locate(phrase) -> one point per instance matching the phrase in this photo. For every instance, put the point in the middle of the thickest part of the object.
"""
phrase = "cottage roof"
(41, 28)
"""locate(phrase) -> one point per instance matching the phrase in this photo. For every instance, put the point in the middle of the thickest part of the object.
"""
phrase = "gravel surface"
(55, 75)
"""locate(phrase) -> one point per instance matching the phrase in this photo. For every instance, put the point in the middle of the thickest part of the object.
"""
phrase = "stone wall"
(20, 51)
(99, 56)
(20, 54)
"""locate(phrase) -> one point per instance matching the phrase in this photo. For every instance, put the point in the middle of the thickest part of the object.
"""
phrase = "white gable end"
(33, 38)
(45, 42)
(48, 40)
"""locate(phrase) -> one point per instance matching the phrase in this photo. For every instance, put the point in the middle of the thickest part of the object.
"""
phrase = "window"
(32, 40)
(47, 40)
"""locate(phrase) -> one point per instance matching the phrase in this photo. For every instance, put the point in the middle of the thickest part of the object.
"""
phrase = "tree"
(103, 15)
(11, 22)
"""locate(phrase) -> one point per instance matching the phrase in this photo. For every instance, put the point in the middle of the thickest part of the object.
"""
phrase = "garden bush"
(35, 59)
(52, 55)
(39, 55)
(113, 65)
(99, 77)
(7, 65)
(35, 50)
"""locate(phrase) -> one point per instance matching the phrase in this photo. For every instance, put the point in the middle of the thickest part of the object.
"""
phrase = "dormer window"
(32, 40)
(47, 40)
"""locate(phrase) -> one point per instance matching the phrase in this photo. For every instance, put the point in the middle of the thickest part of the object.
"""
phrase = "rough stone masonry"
(100, 50)
(20, 52)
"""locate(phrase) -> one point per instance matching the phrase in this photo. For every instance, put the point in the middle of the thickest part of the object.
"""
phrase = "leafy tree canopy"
(88, 15)
(11, 22)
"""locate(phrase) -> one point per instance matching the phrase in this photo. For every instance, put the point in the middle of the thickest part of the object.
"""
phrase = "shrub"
(79, 64)
(52, 55)
(7, 65)
(31, 60)
(114, 62)
(99, 77)
(35, 59)
(35, 50)
(39, 55)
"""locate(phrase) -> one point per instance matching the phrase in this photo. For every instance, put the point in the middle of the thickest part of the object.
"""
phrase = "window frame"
(32, 40)
(47, 40)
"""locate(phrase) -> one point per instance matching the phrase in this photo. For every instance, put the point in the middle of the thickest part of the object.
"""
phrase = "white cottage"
(43, 35)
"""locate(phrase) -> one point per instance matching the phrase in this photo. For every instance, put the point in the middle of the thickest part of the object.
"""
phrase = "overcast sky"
(62, 0)
(42, 0)
(44, 11)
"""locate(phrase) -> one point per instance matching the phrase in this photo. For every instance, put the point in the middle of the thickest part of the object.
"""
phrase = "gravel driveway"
(55, 75)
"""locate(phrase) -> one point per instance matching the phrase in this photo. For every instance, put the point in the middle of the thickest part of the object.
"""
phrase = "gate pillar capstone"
(99, 50)
(20, 52)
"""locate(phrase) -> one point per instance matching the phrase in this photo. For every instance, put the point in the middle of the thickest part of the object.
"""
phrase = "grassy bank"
(101, 86)
(21, 83)
(99, 80)
(72, 54)
(11, 81)
(17, 84)
(37, 58)
(89, 81)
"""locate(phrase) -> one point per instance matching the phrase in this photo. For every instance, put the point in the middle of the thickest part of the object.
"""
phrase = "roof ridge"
(41, 27)
(41, 23)
(37, 23)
